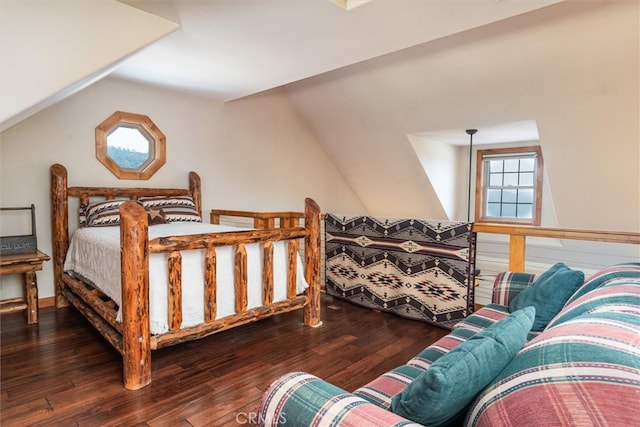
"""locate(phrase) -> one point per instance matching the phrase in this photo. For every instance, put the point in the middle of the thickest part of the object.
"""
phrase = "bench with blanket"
(415, 268)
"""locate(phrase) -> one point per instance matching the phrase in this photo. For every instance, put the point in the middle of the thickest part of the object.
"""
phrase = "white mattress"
(94, 253)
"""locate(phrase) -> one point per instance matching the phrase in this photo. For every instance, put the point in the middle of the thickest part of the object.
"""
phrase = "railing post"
(517, 248)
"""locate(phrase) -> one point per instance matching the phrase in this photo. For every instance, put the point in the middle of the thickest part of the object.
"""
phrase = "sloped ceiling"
(367, 79)
(51, 49)
(232, 49)
(224, 48)
(571, 67)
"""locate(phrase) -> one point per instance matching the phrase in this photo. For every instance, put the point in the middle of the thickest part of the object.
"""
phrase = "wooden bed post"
(312, 262)
(195, 187)
(134, 249)
(59, 228)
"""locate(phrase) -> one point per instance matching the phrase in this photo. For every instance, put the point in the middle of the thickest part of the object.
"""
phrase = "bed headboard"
(61, 192)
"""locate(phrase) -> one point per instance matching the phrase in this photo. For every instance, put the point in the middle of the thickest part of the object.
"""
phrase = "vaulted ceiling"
(369, 81)
(224, 48)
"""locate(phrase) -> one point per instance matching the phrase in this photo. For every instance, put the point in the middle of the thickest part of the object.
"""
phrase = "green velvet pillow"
(439, 395)
(548, 294)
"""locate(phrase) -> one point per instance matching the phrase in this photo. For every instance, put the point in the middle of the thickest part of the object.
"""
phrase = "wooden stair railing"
(519, 233)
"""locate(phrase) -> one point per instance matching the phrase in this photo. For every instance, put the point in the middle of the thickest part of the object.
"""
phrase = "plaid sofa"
(583, 369)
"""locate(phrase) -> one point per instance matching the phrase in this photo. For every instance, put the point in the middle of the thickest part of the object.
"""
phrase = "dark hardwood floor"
(61, 372)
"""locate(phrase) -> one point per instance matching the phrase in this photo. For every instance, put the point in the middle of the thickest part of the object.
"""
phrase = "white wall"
(439, 161)
(252, 154)
(572, 67)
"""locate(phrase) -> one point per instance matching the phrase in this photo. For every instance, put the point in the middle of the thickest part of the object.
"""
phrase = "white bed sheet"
(94, 253)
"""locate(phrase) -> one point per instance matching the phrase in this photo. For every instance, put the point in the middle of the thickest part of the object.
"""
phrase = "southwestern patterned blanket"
(414, 268)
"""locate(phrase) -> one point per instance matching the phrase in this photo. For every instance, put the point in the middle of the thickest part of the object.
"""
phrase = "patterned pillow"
(103, 213)
(175, 208)
(82, 214)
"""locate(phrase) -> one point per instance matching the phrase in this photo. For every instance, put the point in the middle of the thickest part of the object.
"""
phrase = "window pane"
(508, 190)
(494, 196)
(495, 165)
(128, 147)
(495, 180)
(511, 165)
(526, 179)
(527, 165)
(525, 195)
(493, 209)
(509, 209)
(510, 179)
(525, 211)
(509, 196)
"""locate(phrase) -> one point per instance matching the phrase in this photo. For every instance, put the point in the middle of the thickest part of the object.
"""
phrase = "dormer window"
(509, 185)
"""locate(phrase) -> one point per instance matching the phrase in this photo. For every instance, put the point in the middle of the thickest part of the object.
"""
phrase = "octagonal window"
(130, 145)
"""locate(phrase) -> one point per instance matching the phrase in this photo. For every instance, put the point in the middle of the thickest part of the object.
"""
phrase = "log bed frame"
(132, 337)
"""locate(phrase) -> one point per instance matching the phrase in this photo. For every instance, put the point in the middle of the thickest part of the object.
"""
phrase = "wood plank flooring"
(61, 372)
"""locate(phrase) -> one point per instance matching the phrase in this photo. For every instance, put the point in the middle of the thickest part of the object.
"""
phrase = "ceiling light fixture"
(470, 132)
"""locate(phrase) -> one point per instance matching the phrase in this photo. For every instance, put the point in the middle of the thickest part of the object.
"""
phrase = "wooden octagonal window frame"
(145, 126)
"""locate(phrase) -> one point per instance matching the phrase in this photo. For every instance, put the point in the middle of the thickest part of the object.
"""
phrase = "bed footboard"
(271, 220)
(135, 247)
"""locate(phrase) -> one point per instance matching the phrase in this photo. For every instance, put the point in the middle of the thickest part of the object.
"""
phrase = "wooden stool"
(26, 264)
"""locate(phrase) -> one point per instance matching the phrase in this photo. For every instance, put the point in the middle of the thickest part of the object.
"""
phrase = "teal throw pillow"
(548, 294)
(439, 395)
